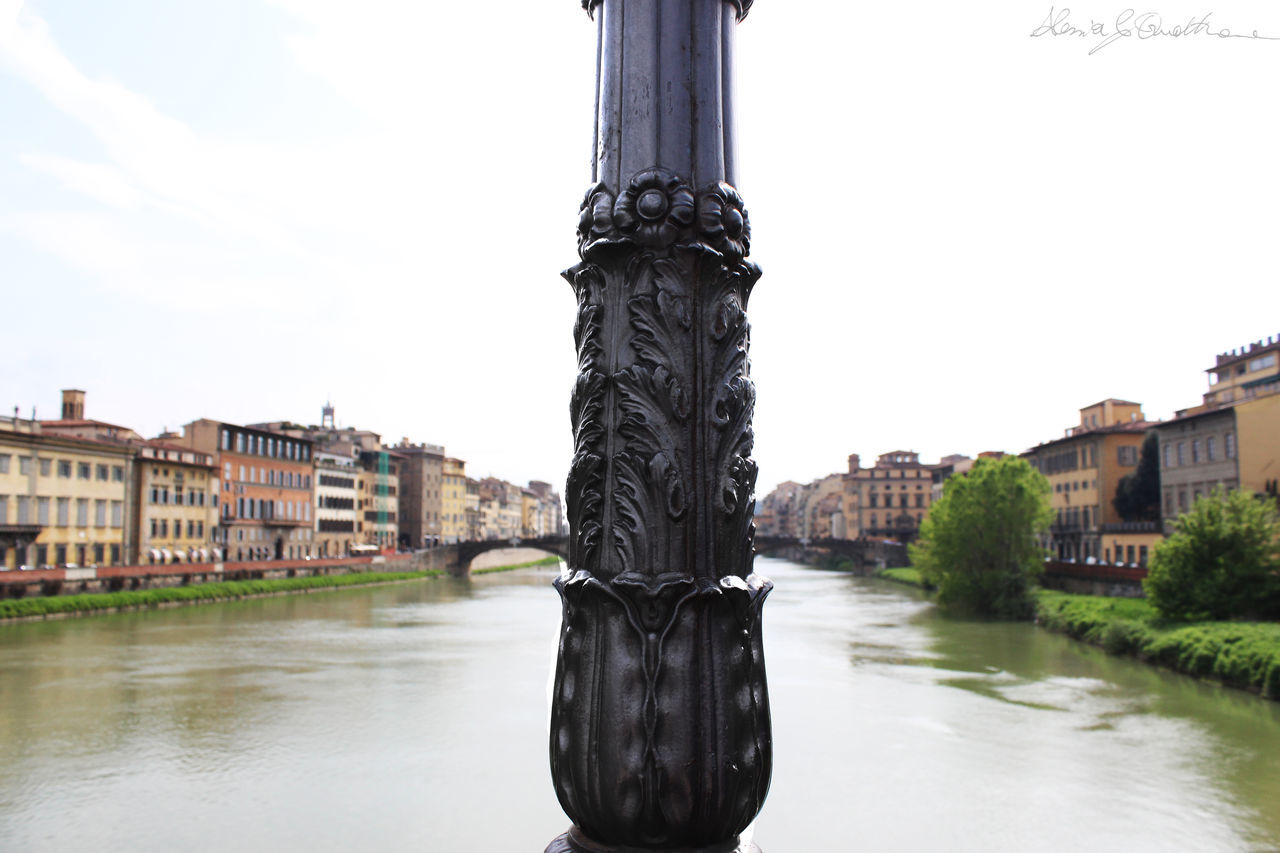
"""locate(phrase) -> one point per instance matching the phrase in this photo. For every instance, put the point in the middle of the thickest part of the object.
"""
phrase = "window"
(117, 514)
(164, 527)
(240, 442)
(99, 513)
(115, 555)
(1195, 450)
(84, 471)
(24, 464)
(1168, 456)
(45, 466)
(117, 474)
(1168, 502)
(104, 473)
(1127, 455)
(252, 474)
(42, 510)
(64, 511)
(64, 468)
(1229, 445)
(1263, 362)
(226, 439)
(24, 509)
(1182, 459)
(1210, 448)
(4, 463)
(82, 512)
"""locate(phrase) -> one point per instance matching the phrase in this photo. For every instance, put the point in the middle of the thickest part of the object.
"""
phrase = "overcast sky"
(239, 209)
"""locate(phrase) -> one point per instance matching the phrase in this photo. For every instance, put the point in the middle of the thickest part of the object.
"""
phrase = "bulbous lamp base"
(574, 841)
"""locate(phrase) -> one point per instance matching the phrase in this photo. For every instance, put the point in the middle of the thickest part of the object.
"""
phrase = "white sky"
(238, 209)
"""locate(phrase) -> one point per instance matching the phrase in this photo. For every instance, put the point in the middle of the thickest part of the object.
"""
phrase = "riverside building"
(1084, 468)
(1232, 439)
(175, 504)
(421, 504)
(63, 498)
(888, 500)
(265, 485)
(453, 501)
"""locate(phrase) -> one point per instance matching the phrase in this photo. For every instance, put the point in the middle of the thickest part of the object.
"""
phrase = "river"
(413, 717)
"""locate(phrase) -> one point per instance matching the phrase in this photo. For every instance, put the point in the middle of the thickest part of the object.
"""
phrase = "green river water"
(413, 717)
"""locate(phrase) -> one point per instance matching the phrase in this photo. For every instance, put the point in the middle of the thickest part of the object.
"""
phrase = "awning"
(165, 554)
(155, 554)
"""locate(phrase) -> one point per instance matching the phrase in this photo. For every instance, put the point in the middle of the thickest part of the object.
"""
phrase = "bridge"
(468, 551)
(863, 553)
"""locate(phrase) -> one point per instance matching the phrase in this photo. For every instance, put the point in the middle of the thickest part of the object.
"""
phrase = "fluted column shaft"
(660, 736)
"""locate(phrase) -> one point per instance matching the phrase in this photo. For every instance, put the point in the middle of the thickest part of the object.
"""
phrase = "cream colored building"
(889, 500)
(174, 502)
(63, 500)
(453, 501)
(338, 498)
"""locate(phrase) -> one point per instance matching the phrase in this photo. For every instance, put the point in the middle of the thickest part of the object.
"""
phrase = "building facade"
(266, 489)
(337, 495)
(63, 500)
(1084, 468)
(174, 503)
(888, 500)
(453, 501)
(379, 504)
(421, 504)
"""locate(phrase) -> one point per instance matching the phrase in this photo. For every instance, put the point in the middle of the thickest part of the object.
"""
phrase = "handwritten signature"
(1129, 24)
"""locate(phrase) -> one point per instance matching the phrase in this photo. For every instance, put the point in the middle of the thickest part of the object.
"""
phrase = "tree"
(979, 546)
(1221, 562)
(1138, 494)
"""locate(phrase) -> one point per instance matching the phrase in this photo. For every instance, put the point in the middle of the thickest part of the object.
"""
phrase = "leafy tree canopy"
(1138, 494)
(979, 545)
(1222, 561)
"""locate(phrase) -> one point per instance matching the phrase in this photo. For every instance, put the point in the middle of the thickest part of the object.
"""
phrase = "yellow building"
(453, 501)
(1258, 425)
(174, 504)
(63, 500)
(1244, 374)
(1084, 468)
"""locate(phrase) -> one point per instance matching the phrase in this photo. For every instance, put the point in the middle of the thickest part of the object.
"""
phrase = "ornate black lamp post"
(660, 737)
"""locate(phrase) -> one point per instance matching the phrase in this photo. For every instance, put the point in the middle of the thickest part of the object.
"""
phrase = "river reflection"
(414, 717)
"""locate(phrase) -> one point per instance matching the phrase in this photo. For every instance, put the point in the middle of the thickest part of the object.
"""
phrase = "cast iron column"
(660, 735)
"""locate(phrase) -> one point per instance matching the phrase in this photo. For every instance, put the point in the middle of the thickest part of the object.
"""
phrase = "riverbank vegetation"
(198, 593)
(910, 577)
(979, 545)
(60, 605)
(1237, 654)
(1222, 561)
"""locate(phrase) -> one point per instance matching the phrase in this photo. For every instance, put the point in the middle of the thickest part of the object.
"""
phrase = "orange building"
(265, 483)
(1084, 468)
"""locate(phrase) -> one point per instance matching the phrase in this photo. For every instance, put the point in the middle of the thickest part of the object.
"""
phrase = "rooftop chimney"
(72, 404)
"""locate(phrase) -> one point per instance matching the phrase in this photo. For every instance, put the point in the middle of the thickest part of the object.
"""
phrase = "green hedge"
(1239, 654)
(44, 606)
